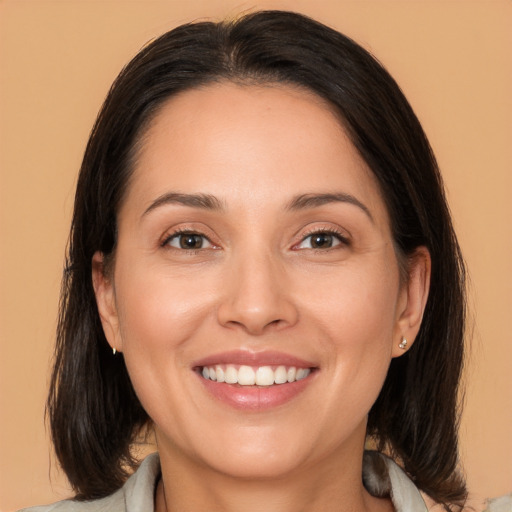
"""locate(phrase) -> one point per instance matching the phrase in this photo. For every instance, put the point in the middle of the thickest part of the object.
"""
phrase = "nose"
(257, 296)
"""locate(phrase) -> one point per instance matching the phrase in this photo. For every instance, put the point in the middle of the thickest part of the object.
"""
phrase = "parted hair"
(93, 411)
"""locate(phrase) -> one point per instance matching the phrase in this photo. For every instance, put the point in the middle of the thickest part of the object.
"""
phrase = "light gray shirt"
(381, 476)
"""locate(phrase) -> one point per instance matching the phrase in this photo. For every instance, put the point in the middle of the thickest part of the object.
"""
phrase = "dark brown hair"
(93, 410)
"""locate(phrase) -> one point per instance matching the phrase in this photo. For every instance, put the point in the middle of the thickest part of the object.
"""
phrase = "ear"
(105, 299)
(413, 299)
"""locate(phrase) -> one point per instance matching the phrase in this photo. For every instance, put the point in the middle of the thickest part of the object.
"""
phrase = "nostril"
(255, 326)
(274, 322)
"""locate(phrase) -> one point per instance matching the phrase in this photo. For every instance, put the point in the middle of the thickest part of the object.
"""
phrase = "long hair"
(93, 410)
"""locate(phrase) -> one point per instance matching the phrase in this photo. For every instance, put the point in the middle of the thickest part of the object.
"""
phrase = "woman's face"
(254, 246)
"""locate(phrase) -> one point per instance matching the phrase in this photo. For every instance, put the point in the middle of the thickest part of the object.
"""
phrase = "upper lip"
(245, 357)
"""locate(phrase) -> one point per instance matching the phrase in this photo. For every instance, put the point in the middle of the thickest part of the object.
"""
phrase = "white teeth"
(230, 375)
(264, 376)
(302, 373)
(220, 374)
(280, 375)
(248, 376)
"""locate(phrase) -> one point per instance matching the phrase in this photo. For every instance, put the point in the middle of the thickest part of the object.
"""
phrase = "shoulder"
(503, 504)
(114, 502)
(136, 494)
(384, 478)
(111, 503)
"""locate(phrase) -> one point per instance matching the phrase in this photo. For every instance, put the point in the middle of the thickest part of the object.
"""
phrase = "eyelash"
(342, 239)
(181, 232)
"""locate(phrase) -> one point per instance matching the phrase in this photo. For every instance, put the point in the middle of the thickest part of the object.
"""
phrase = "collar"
(382, 477)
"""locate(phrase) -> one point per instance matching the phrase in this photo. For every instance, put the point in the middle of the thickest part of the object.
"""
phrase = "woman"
(262, 268)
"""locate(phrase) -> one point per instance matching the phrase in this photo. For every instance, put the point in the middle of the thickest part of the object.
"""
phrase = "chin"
(260, 466)
(255, 453)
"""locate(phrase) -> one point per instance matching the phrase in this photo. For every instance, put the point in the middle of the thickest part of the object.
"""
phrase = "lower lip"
(256, 398)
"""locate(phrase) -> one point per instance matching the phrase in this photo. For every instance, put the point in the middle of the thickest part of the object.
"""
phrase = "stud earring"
(114, 350)
(403, 343)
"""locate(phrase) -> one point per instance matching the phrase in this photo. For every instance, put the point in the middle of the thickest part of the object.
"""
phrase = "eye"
(188, 241)
(322, 240)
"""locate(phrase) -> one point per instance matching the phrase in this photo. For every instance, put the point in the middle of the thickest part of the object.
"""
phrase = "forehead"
(227, 108)
(249, 141)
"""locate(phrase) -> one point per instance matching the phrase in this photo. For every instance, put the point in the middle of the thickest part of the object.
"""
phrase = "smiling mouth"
(244, 375)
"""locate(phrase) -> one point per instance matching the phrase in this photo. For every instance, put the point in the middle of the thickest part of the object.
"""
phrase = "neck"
(329, 485)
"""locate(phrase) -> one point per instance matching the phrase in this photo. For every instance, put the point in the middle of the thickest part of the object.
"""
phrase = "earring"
(114, 350)
(403, 343)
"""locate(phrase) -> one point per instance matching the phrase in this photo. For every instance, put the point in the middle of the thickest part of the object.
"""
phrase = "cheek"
(356, 318)
(156, 309)
(158, 316)
(357, 304)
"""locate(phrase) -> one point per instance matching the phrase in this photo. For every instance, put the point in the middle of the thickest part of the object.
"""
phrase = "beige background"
(57, 60)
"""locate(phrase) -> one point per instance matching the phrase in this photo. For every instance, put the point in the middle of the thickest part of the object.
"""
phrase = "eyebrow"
(306, 201)
(203, 201)
(210, 202)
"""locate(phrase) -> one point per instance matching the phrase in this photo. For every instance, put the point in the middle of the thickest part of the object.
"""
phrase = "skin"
(257, 284)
